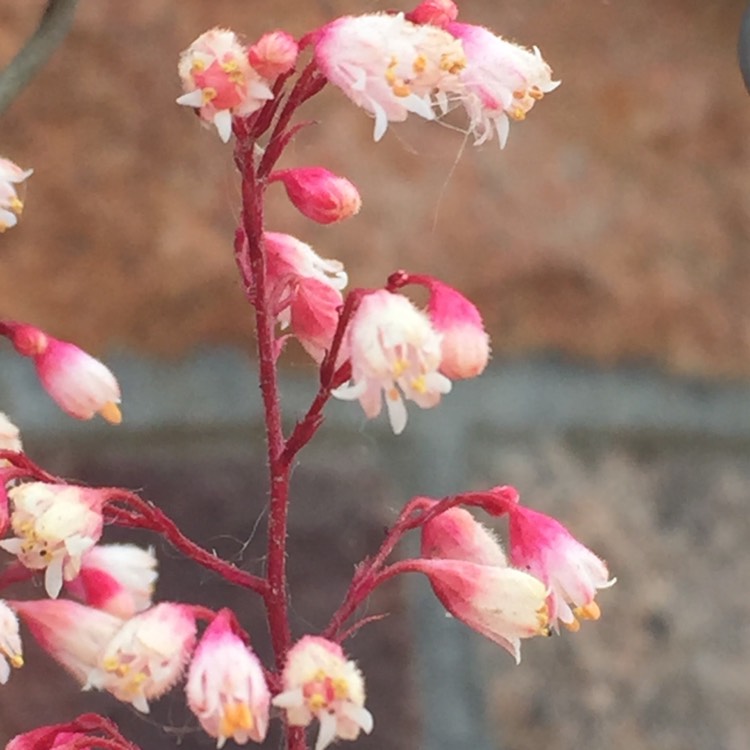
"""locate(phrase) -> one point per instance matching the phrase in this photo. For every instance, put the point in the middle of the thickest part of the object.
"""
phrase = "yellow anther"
(536, 93)
(517, 114)
(542, 617)
(393, 394)
(419, 384)
(453, 62)
(236, 716)
(519, 94)
(111, 664)
(402, 90)
(209, 94)
(341, 688)
(111, 412)
(16, 660)
(136, 680)
(390, 71)
(420, 64)
(573, 627)
(316, 701)
(198, 66)
(16, 205)
(589, 611)
(399, 367)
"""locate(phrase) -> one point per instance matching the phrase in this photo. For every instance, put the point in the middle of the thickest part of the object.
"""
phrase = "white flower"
(11, 205)
(10, 642)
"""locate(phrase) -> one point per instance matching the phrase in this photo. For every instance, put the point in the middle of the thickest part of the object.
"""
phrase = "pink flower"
(50, 738)
(11, 205)
(435, 12)
(147, 655)
(503, 604)
(55, 525)
(11, 652)
(320, 683)
(319, 194)
(226, 688)
(219, 80)
(79, 384)
(573, 573)
(118, 578)
(314, 316)
(394, 350)
(72, 634)
(465, 345)
(387, 65)
(274, 54)
(501, 80)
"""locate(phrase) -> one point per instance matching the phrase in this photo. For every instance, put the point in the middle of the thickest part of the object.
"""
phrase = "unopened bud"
(319, 194)
(434, 12)
(274, 54)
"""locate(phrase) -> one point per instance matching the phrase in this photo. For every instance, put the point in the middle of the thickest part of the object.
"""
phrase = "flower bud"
(434, 12)
(319, 194)
(51, 738)
(274, 54)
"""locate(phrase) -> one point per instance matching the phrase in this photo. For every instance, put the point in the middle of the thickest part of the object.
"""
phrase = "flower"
(80, 385)
(501, 80)
(320, 683)
(147, 655)
(503, 604)
(219, 81)
(11, 205)
(226, 688)
(51, 738)
(435, 12)
(573, 573)
(274, 54)
(55, 524)
(394, 349)
(72, 634)
(319, 194)
(314, 316)
(11, 652)
(387, 65)
(118, 578)
(465, 345)
(10, 436)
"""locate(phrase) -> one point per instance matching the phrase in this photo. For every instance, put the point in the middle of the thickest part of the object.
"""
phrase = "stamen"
(111, 412)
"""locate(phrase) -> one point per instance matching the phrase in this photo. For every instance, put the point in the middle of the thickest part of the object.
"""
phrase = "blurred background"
(608, 247)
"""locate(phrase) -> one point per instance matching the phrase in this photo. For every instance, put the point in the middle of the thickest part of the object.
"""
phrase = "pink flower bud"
(573, 573)
(319, 194)
(79, 384)
(51, 738)
(465, 345)
(55, 525)
(11, 206)
(274, 54)
(118, 578)
(435, 12)
(11, 652)
(320, 683)
(226, 688)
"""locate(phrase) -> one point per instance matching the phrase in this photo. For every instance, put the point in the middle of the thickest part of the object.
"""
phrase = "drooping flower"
(226, 688)
(503, 604)
(219, 80)
(80, 385)
(394, 350)
(11, 205)
(434, 12)
(55, 525)
(387, 65)
(319, 682)
(118, 578)
(274, 54)
(72, 634)
(545, 548)
(11, 652)
(147, 655)
(501, 80)
(319, 194)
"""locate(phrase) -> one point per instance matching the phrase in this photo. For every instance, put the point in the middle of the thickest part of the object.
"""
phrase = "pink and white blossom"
(147, 655)
(319, 194)
(55, 525)
(118, 578)
(274, 54)
(226, 688)
(11, 651)
(394, 351)
(72, 634)
(573, 574)
(219, 81)
(11, 206)
(319, 682)
(80, 385)
(500, 82)
(387, 65)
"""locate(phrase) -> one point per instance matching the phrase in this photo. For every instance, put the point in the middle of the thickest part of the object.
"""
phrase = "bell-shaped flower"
(434, 12)
(226, 688)
(573, 573)
(11, 206)
(80, 385)
(395, 351)
(319, 682)
(147, 655)
(500, 82)
(319, 194)
(274, 54)
(55, 525)
(118, 578)
(219, 80)
(11, 651)
(387, 65)
(70, 633)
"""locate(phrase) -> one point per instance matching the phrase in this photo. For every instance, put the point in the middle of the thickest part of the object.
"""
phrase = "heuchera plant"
(99, 620)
